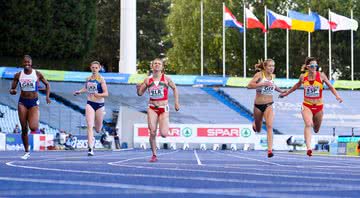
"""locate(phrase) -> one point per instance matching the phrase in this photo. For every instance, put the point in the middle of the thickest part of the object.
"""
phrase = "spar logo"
(245, 132)
(144, 132)
(218, 132)
(186, 132)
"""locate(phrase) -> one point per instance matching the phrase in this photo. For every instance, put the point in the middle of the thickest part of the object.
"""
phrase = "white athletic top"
(266, 90)
(28, 82)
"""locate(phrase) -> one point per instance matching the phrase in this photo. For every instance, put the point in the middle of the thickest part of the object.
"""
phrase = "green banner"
(347, 84)
(238, 82)
(136, 78)
(351, 149)
(54, 75)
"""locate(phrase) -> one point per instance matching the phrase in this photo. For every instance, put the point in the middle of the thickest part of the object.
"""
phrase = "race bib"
(312, 91)
(27, 84)
(156, 93)
(91, 87)
(267, 90)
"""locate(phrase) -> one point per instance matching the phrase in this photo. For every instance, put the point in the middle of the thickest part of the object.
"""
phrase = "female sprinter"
(158, 109)
(28, 105)
(96, 89)
(312, 107)
(263, 82)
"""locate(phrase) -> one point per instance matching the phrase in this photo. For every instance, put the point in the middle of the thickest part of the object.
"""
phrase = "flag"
(321, 23)
(230, 20)
(301, 22)
(252, 21)
(342, 23)
(278, 21)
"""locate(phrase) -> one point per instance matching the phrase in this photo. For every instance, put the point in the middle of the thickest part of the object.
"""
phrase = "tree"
(106, 47)
(48, 30)
(151, 31)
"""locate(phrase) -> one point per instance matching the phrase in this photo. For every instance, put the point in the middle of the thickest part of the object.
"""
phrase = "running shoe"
(153, 159)
(25, 156)
(309, 152)
(91, 152)
(270, 154)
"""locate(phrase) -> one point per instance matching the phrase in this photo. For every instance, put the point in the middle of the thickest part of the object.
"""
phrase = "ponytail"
(260, 66)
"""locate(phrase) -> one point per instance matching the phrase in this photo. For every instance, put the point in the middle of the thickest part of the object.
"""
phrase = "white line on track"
(197, 158)
(135, 158)
(248, 158)
(259, 172)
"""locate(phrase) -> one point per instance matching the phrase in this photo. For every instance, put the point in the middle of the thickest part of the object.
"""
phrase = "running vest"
(28, 82)
(312, 89)
(158, 90)
(94, 86)
(266, 90)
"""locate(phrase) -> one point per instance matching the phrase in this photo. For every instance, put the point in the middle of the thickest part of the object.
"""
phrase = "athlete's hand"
(48, 101)
(177, 106)
(339, 99)
(76, 93)
(12, 91)
(283, 94)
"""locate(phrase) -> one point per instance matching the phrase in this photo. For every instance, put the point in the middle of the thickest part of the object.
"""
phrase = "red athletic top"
(158, 90)
(313, 89)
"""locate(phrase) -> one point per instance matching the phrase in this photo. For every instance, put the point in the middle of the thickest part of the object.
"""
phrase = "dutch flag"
(230, 20)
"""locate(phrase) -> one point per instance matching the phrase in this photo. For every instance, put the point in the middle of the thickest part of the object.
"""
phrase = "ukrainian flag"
(302, 22)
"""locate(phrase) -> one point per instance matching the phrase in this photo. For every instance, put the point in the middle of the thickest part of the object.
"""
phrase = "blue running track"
(198, 174)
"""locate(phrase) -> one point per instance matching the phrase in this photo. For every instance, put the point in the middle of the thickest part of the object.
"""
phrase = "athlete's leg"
(269, 119)
(318, 117)
(90, 117)
(99, 118)
(23, 115)
(308, 121)
(33, 118)
(258, 118)
(164, 124)
(152, 125)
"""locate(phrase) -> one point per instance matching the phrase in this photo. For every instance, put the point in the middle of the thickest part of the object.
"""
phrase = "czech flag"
(230, 20)
(252, 21)
(278, 21)
(339, 22)
(302, 22)
(321, 23)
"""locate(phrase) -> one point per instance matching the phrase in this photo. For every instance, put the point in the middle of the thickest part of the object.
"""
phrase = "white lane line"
(197, 158)
(248, 158)
(259, 172)
(135, 158)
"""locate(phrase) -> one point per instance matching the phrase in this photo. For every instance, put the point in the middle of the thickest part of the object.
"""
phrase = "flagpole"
(352, 49)
(329, 47)
(223, 39)
(287, 48)
(309, 39)
(265, 36)
(244, 40)
(202, 36)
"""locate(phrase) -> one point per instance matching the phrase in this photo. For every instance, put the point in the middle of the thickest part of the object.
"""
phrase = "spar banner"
(199, 133)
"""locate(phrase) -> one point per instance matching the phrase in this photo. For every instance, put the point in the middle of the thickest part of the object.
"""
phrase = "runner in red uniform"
(312, 107)
(158, 111)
